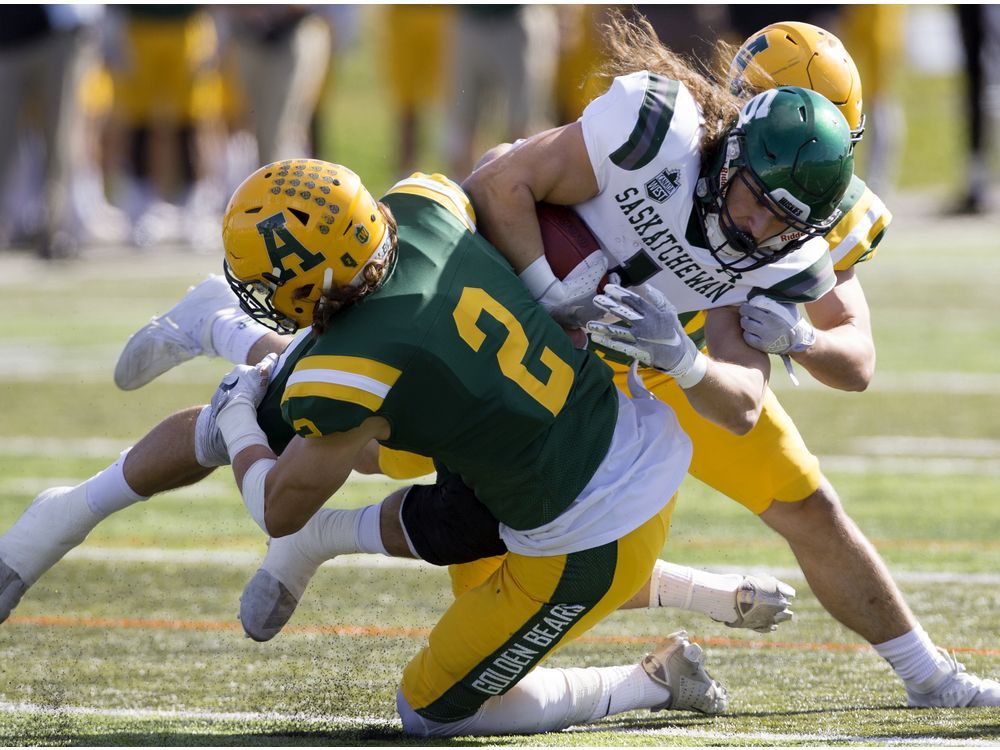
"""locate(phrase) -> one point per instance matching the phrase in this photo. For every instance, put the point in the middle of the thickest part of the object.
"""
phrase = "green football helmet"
(792, 148)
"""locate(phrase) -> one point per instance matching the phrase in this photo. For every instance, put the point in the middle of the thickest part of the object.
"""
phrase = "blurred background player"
(44, 52)
(416, 54)
(168, 95)
(283, 54)
(504, 58)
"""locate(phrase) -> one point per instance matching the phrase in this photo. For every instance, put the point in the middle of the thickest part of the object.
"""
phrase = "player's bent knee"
(818, 510)
(447, 525)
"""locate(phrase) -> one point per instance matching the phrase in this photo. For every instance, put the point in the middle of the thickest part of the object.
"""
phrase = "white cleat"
(762, 602)
(12, 588)
(678, 665)
(266, 606)
(955, 688)
(56, 522)
(271, 596)
(184, 332)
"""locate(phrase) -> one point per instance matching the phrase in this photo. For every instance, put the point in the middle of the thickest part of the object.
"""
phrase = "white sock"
(108, 492)
(711, 594)
(294, 559)
(914, 658)
(547, 700)
(233, 335)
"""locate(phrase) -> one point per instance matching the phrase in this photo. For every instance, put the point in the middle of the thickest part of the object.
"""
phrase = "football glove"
(652, 334)
(234, 405)
(775, 327)
(570, 301)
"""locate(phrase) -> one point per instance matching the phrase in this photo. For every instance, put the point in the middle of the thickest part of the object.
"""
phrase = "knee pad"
(446, 524)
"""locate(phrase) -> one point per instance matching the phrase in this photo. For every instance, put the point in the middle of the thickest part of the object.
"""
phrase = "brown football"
(567, 240)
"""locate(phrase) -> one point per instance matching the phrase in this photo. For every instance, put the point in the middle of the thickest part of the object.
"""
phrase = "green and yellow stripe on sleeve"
(854, 238)
(336, 391)
(441, 190)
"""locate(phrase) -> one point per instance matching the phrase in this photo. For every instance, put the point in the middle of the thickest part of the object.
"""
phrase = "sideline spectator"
(502, 52)
(43, 51)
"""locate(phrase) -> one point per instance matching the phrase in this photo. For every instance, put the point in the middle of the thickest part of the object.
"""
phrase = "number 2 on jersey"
(550, 394)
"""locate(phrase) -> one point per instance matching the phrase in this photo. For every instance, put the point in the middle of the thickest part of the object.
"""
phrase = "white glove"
(775, 327)
(570, 302)
(234, 405)
(653, 335)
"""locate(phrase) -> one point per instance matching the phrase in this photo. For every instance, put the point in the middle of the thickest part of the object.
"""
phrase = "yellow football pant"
(771, 462)
(526, 607)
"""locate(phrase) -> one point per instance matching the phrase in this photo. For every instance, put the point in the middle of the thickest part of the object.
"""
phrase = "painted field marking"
(248, 558)
(379, 722)
(133, 623)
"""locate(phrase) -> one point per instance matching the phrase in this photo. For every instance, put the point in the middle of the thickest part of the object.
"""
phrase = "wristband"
(253, 490)
(237, 422)
(538, 277)
(694, 374)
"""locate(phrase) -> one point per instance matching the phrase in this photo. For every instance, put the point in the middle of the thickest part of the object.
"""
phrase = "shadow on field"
(318, 738)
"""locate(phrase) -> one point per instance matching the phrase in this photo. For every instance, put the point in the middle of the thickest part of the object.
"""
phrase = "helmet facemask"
(791, 150)
(257, 300)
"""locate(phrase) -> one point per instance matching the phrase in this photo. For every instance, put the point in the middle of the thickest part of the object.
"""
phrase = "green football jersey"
(453, 352)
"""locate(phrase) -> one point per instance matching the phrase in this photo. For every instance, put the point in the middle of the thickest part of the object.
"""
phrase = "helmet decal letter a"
(291, 256)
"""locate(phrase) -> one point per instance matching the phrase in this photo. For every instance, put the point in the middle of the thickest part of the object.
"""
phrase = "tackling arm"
(732, 392)
(552, 166)
(843, 355)
(309, 471)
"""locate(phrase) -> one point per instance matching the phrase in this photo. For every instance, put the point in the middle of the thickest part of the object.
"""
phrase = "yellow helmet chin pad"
(792, 53)
(297, 228)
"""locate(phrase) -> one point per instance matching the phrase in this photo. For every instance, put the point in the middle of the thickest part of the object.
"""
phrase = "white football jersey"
(643, 139)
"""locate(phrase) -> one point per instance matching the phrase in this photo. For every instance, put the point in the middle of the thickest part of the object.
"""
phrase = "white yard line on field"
(908, 445)
(248, 558)
(382, 723)
(44, 361)
(875, 454)
(788, 737)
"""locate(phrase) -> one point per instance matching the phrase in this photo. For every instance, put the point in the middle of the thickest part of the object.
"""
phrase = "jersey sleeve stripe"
(368, 368)
(335, 392)
(807, 285)
(651, 128)
(440, 189)
(855, 234)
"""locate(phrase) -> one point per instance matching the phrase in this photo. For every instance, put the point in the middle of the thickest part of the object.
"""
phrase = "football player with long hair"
(423, 340)
(768, 469)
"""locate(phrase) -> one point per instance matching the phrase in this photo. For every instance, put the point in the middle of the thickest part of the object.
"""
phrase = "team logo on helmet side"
(291, 258)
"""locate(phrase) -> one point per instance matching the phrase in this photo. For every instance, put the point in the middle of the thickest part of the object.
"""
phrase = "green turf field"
(133, 639)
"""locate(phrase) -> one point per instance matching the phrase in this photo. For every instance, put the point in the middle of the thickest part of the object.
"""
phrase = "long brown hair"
(374, 274)
(632, 45)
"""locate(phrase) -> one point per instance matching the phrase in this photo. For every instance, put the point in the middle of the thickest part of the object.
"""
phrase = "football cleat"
(269, 599)
(12, 588)
(266, 606)
(955, 688)
(56, 522)
(762, 603)
(678, 665)
(185, 331)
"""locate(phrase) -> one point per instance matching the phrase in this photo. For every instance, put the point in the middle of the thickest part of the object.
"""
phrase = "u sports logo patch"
(663, 185)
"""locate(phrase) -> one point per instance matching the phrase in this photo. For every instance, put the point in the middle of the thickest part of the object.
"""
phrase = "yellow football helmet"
(294, 230)
(800, 54)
